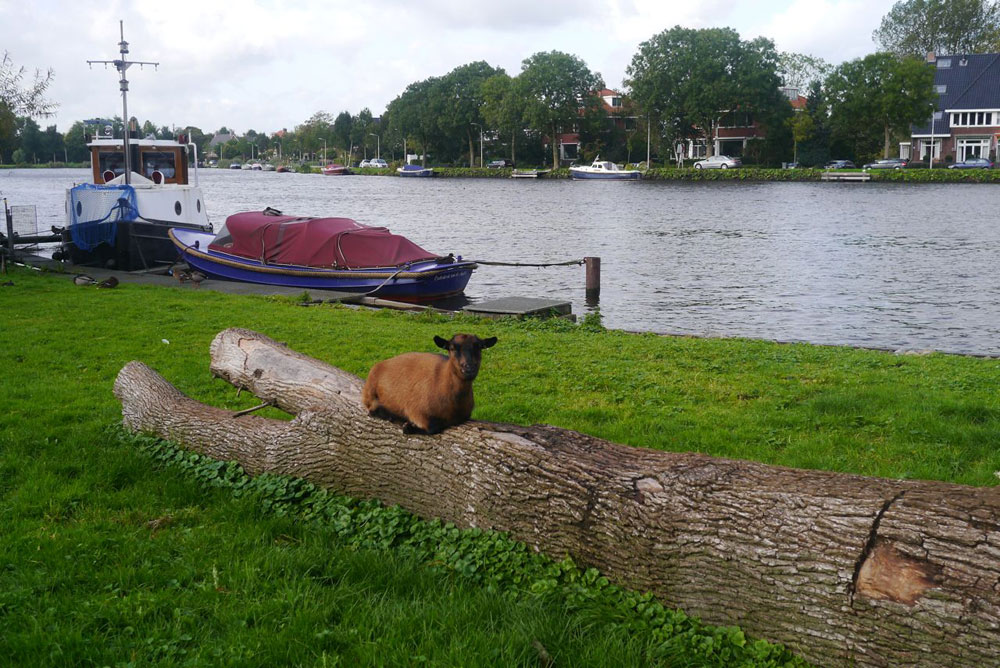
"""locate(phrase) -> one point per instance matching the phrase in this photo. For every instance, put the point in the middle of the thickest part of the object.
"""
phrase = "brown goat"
(430, 392)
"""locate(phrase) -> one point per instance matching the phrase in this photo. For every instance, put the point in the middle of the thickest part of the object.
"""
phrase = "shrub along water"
(110, 557)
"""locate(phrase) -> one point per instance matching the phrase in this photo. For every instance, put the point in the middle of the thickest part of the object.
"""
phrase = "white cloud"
(835, 30)
(269, 64)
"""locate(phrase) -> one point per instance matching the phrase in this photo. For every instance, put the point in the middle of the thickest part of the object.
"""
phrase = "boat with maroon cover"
(322, 254)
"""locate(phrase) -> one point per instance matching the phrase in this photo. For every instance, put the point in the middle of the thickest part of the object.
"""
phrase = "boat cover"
(97, 210)
(340, 243)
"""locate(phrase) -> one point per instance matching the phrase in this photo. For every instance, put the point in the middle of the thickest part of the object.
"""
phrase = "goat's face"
(465, 352)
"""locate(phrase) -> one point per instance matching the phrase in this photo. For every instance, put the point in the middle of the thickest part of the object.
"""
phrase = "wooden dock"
(846, 176)
(520, 307)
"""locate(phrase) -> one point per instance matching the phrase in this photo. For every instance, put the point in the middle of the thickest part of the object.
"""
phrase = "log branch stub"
(843, 569)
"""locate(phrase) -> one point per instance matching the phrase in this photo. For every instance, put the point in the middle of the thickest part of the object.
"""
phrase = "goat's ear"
(440, 343)
(488, 343)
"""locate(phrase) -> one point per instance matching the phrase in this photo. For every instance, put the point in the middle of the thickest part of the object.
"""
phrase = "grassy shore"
(116, 551)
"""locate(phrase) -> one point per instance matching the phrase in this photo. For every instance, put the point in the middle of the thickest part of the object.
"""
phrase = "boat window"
(223, 238)
(161, 161)
(111, 161)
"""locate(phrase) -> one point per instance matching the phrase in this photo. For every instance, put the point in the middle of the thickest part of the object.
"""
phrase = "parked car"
(379, 163)
(365, 163)
(839, 164)
(499, 164)
(889, 163)
(718, 162)
(973, 163)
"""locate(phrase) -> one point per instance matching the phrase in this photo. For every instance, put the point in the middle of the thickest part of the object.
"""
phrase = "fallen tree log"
(843, 569)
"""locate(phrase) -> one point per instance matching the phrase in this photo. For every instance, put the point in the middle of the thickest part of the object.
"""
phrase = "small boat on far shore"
(333, 169)
(604, 169)
(414, 170)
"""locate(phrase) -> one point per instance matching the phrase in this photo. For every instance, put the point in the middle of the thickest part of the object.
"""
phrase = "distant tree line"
(681, 84)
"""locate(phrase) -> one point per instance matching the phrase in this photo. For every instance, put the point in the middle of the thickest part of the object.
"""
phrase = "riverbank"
(758, 174)
(109, 553)
(117, 546)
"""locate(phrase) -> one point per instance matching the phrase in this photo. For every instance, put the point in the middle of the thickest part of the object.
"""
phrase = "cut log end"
(889, 575)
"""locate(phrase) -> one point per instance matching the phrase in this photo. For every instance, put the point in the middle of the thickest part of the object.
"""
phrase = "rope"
(529, 264)
(382, 285)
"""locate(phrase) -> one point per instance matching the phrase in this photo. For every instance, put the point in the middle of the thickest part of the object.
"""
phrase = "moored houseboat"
(139, 189)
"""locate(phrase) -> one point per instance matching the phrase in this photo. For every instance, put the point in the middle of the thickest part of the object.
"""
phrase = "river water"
(911, 267)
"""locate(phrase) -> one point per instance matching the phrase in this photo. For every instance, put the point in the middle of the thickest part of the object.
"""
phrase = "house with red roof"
(618, 112)
(737, 127)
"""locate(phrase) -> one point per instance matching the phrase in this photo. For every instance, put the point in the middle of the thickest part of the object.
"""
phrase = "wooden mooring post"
(593, 265)
(10, 229)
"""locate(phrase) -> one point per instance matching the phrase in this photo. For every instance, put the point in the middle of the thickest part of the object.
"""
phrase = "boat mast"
(121, 65)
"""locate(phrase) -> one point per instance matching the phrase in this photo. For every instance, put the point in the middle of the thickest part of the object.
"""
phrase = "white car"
(718, 162)
(365, 163)
(379, 163)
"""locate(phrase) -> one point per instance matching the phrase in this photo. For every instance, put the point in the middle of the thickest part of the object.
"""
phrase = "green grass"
(109, 556)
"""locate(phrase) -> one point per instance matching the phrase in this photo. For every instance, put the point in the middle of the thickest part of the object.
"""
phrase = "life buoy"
(108, 175)
(157, 177)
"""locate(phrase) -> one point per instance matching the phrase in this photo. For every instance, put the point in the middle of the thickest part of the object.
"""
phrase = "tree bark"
(843, 569)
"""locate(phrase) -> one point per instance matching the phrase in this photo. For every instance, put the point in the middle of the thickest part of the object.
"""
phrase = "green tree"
(556, 86)
(803, 127)
(504, 108)
(916, 27)
(20, 99)
(690, 77)
(25, 100)
(462, 101)
(815, 149)
(873, 97)
(412, 115)
(361, 125)
(75, 141)
(314, 132)
(52, 145)
(798, 70)
(30, 136)
(341, 130)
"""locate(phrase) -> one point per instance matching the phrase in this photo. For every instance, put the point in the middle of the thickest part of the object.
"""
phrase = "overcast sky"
(268, 65)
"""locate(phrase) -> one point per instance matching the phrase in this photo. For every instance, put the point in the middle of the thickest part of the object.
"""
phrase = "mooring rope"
(529, 264)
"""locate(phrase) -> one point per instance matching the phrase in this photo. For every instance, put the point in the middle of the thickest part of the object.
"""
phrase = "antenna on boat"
(121, 65)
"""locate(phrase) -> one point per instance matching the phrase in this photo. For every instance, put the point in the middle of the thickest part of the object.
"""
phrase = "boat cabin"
(159, 160)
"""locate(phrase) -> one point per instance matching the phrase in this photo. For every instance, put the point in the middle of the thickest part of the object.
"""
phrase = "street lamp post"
(324, 150)
(480, 143)
(648, 124)
(378, 145)
(930, 152)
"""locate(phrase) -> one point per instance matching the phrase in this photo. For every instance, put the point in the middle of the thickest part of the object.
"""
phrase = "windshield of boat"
(223, 237)
(112, 161)
(161, 161)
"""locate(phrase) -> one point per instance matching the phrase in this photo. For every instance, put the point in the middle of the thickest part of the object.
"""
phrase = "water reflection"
(883, 265)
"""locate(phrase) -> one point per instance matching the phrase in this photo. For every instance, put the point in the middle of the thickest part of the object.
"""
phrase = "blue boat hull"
(605, 176)
(420, 281)
(415, 173)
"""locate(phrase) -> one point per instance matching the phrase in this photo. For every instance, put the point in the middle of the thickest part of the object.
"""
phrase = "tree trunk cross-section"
(843, 569)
